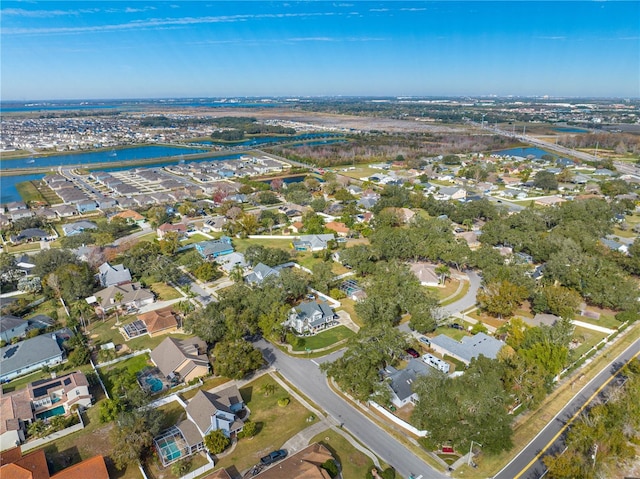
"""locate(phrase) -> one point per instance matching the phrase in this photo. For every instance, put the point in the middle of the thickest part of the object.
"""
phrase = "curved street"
(305, 375)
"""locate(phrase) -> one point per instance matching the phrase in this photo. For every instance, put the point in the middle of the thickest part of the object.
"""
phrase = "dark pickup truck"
(273, 457)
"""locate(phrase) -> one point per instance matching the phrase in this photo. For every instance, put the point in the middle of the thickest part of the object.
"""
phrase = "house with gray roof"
(31, 234)
(214, 248)
(310, 317)
(469, 348)
(133, 295)
(401, 381)
(29, 355)
(313, 242)
(207, 412)
(110, 275)
(78, 227)
(229, 261)
(12, 327)
(261, 272)
(217, 411)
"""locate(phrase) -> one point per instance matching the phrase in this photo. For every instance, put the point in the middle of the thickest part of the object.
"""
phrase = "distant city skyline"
(137, 49)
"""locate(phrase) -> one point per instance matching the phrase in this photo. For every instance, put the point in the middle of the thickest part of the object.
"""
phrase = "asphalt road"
(528, 464)
(306, 376)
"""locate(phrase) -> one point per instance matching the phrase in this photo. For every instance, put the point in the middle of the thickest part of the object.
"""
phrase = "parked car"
(425, 340)
(273, 457)
(456, 326)
(413, 353)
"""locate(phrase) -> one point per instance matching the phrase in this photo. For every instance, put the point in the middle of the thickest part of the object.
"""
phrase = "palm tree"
(118, 297)
(82, 309)
(443, 272)
(237, 274)
(468, 224)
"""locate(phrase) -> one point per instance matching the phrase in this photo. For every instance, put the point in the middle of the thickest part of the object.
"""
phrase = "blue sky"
(136, 49)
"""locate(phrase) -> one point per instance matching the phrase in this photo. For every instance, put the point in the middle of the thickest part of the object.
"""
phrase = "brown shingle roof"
(159, 319)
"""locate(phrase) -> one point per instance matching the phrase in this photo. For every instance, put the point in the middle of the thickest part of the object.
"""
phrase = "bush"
(630, 316)
(331, 467)
(250, 429)
(284, 402)
(335, 293)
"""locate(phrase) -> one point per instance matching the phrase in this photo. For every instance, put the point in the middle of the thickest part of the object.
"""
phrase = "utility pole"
(471, 451)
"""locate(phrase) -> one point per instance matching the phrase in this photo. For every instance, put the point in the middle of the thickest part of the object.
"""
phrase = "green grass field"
(29, 192)
(326, 338)
(164, 292)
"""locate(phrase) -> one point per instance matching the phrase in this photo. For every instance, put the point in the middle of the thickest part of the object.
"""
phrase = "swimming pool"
(155, 384)
(56, 411)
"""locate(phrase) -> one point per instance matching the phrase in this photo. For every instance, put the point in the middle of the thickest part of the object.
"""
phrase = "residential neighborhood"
(245, 317)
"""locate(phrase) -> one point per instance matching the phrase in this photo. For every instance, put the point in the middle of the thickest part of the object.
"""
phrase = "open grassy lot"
(325, 338)
(456, 334)
(607, 318)
(164, 292)
(241, 244)
(275, 424)
(354, 463)
(29, 192)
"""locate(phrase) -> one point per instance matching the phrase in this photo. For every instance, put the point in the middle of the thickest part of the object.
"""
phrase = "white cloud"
(156, 23)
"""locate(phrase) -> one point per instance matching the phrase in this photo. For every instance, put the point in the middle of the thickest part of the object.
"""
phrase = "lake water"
(523, 152)
(8, 191)
(265, 140)
(124, 154)
(570, 130)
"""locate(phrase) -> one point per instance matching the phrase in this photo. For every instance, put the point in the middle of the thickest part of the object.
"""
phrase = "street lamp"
(471, 451)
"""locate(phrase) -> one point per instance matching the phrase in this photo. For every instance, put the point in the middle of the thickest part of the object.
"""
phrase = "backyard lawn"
(91, 441)
(325, 338)
(275, 424)
(130, 366)
(164, 292)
